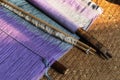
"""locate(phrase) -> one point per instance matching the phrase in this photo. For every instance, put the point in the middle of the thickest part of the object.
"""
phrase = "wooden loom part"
(58, 66)
(102, 52)
(95, 43)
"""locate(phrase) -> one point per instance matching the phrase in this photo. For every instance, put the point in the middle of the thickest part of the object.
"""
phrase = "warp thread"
(47, 66)
(46, 27)
(43, 26)
(6, 22)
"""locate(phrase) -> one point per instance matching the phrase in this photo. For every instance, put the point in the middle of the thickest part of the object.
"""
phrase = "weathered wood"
(60, 67)
(102, 50)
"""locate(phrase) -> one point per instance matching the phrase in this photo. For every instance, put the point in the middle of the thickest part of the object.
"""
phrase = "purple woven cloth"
(22, 49)
(72, 14)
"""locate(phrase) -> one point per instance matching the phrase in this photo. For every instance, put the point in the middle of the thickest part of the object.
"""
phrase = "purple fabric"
(22, 50)
(80, 7)
(23, 35)
(54, 14)
(17, 62)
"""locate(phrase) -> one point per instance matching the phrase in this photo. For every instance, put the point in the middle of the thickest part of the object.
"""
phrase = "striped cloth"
(72, 14)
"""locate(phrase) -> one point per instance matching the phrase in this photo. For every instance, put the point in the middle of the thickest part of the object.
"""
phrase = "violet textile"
(84, 12)
(22, 49)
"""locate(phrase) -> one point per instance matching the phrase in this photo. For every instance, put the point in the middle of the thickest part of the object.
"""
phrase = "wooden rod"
(59, 67)
(95, 43)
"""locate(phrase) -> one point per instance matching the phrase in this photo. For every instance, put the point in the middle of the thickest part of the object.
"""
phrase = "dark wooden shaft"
(60, 67)
(95, 43)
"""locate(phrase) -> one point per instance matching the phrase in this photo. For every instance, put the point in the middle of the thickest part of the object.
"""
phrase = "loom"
(75, 15)
(26, 51)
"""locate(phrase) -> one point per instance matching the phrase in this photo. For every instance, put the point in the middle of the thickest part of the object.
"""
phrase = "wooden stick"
(95, 43)
(60, 67)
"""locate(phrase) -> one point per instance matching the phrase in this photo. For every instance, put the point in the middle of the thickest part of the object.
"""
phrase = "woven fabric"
(72, 14)
(23, 47)
(26, 6)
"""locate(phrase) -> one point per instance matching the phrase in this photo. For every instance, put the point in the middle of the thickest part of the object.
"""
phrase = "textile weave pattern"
(23, 48)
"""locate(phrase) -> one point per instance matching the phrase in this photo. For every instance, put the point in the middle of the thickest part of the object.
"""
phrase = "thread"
(14, 61)
(17, 56)
(46, 72)
(9, 19)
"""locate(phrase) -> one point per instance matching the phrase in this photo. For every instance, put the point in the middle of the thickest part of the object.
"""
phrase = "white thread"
(87, 51)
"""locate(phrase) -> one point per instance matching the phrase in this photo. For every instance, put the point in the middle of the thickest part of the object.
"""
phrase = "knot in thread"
(47, 66)
(88, 50)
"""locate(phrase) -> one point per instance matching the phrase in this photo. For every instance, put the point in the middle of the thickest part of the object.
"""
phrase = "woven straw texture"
(90, 67)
